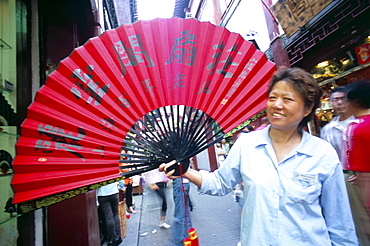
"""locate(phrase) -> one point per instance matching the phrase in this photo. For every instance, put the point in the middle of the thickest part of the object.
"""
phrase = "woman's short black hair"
(306, 86)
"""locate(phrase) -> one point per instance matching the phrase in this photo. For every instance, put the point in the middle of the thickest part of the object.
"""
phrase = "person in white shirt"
(108, 203)
(294, 191)
(335, 131)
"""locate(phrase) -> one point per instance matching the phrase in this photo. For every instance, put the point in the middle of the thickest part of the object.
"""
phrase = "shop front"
(333, 43)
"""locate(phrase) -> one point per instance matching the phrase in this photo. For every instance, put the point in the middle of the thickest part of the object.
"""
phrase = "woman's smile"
(285, 106)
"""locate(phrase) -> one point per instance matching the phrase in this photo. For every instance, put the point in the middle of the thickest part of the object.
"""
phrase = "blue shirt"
(300, 201)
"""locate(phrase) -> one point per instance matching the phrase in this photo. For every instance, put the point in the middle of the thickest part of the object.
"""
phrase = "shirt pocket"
(300, 191)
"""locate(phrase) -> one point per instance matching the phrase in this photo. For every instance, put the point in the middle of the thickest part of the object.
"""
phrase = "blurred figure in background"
(128, 185)
(359, 152)
(335, 131)
(246, 129)
(108, 203)
(264, 123)
(239, 196)
(128, 196)
(157, 181)
(225, 146)
(220, 153)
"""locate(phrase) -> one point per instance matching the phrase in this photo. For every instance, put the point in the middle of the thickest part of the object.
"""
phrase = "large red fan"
(196, 78)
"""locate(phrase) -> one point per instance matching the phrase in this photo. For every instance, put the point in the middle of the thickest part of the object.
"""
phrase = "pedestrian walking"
(157, 181)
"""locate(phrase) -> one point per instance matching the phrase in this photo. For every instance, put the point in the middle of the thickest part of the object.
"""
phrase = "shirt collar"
(303, 148)
(335, 120)
(263, 138)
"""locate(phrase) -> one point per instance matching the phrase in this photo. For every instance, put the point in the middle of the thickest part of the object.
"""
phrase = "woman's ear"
(308, 110)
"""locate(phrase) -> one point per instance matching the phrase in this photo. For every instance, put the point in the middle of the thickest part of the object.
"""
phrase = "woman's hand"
(191, 174)
(163, 168)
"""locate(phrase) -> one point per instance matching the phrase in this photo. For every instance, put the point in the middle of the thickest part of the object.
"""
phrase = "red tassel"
(193, 237)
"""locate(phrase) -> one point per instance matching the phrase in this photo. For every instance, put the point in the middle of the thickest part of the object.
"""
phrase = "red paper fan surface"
(76, 126)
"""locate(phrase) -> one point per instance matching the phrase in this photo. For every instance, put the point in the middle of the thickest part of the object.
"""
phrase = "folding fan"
(158, 90)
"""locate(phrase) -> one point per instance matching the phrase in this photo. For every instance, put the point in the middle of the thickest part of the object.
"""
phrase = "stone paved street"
(216, 220)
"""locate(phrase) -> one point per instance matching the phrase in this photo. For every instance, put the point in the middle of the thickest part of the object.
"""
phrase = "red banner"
(363, 53)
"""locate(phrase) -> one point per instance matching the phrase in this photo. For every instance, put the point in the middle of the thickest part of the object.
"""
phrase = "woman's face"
(285, 107)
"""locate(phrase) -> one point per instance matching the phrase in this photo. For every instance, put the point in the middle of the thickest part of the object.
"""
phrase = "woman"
(294, 191)
(157, 181)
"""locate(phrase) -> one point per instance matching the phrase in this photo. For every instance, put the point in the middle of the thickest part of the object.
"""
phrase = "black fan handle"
(179, 167)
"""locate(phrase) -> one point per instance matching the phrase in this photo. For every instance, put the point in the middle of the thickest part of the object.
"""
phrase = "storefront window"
(358, 54)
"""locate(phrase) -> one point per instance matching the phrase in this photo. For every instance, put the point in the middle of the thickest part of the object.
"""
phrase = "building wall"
(8, 224)
(335, 30)
(8, 51)
(249, 21)
(123, 11)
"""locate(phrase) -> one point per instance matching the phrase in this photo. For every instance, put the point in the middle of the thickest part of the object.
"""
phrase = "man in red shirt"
(359, 150)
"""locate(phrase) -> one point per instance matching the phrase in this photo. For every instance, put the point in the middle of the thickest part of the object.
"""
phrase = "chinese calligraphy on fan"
(61, 139)
(85, 83)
